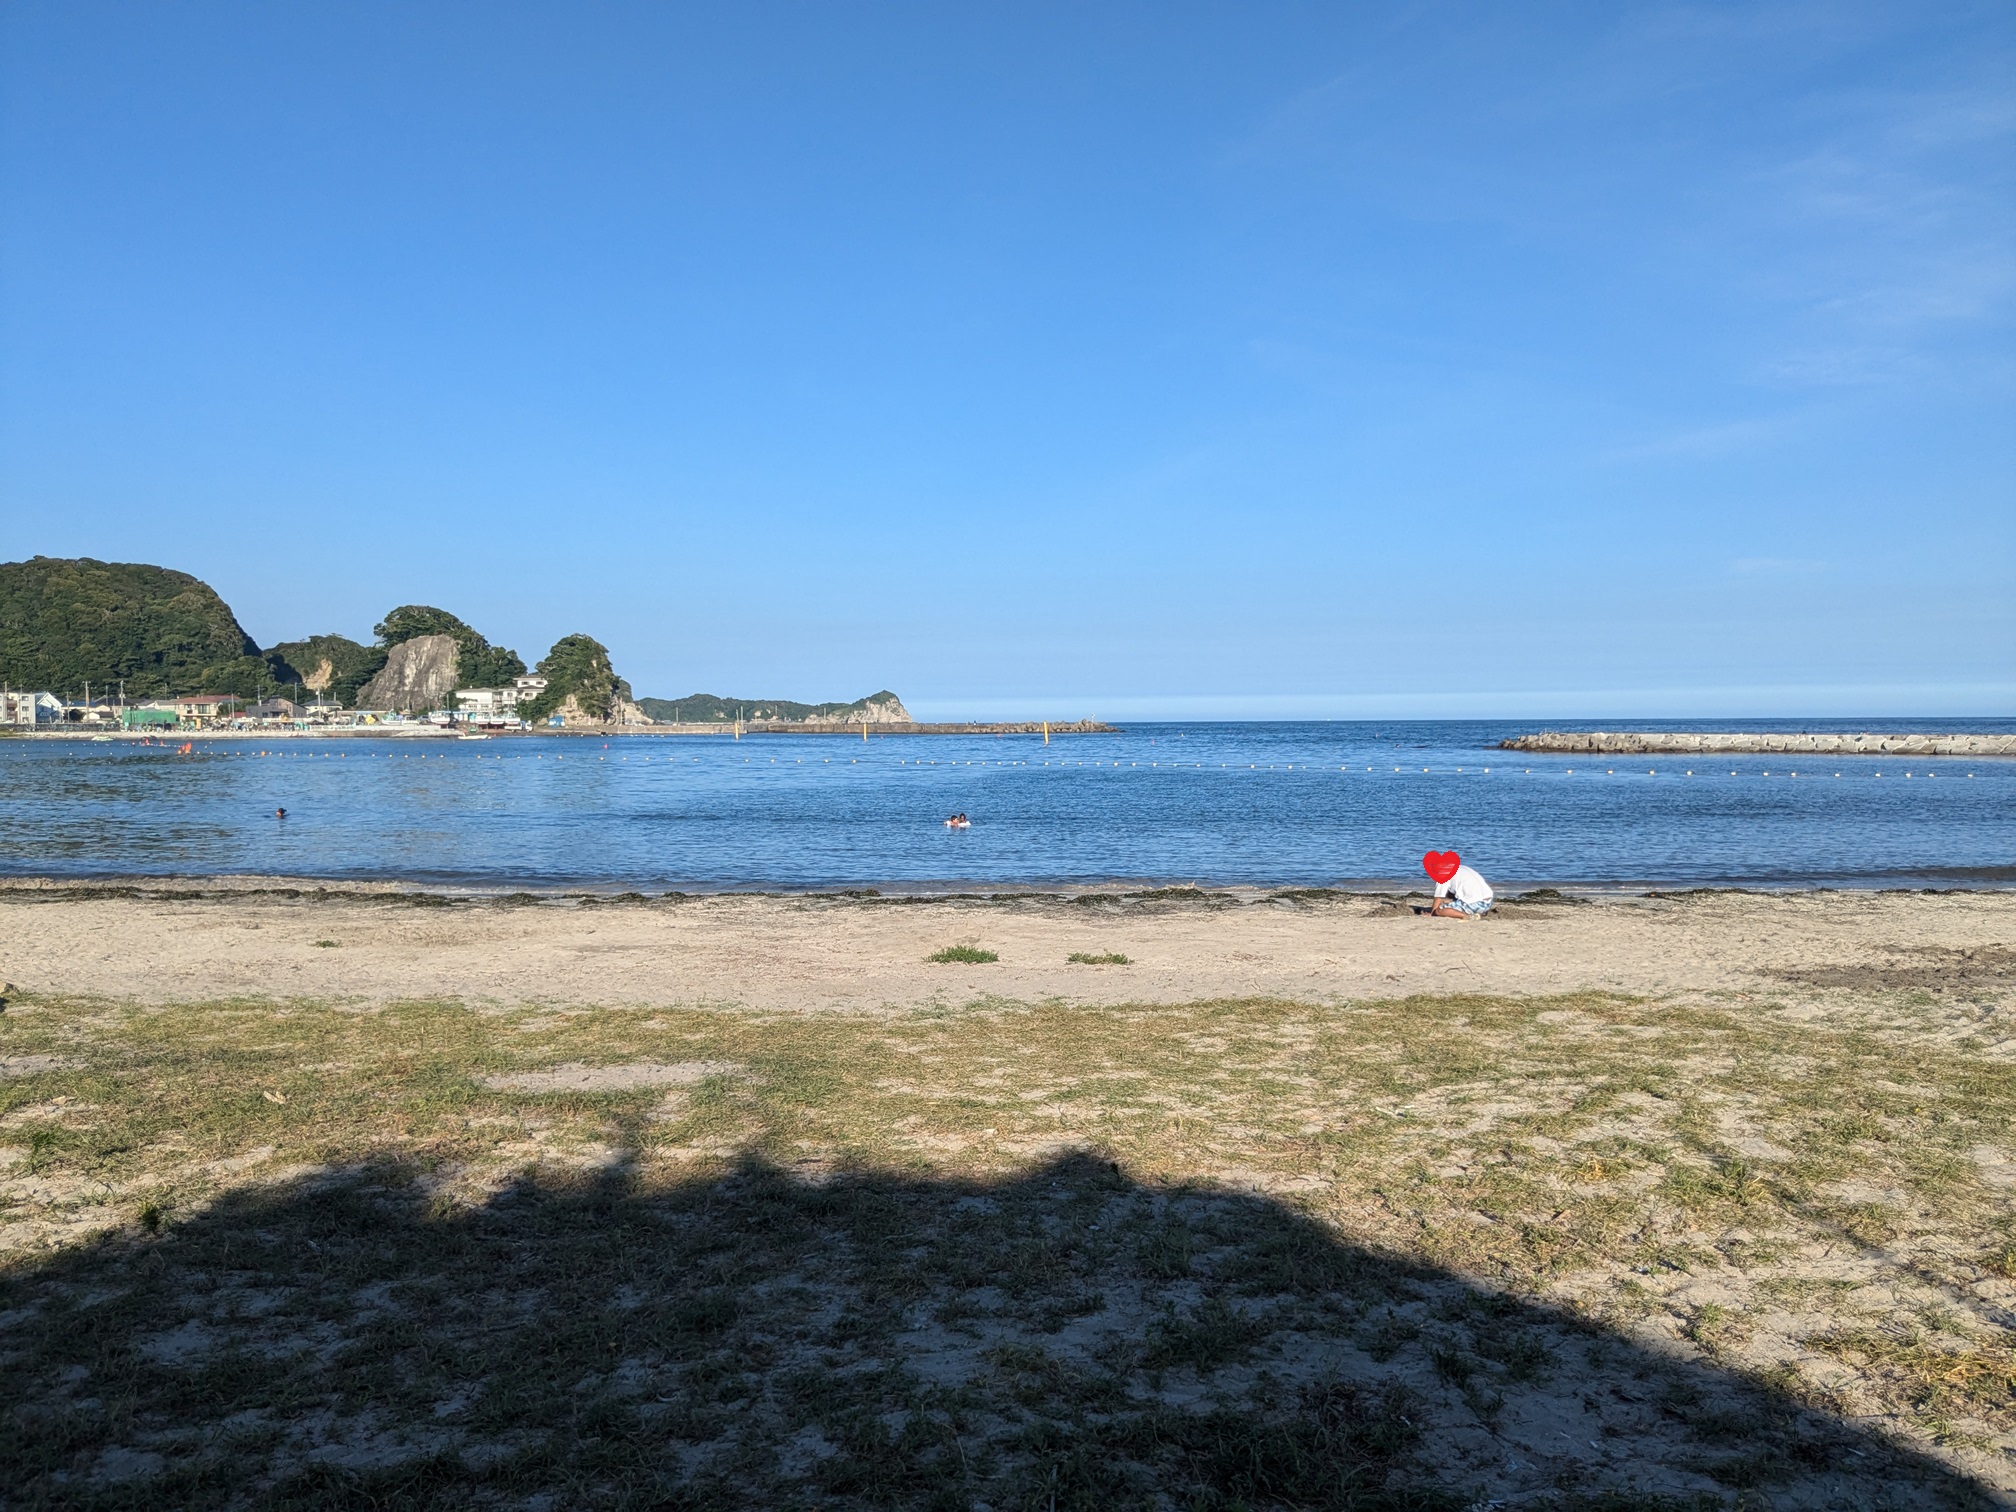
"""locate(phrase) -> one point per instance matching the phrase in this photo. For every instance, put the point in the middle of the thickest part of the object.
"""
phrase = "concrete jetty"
(1639, 743)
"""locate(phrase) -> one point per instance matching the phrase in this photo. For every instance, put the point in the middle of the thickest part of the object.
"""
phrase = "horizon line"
(1946, 701)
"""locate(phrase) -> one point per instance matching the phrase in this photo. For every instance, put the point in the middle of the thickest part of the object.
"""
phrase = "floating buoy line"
(670, 761)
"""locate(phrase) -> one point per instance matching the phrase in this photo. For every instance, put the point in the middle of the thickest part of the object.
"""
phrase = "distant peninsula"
(883, 708)
(101, 638)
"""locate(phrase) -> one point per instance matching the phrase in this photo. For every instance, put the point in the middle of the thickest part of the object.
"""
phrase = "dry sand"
(826, 953)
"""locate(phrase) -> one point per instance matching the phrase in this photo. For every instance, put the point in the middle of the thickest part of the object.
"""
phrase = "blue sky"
(1248, 360)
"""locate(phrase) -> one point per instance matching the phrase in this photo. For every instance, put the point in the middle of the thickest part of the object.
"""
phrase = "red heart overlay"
(1441, 865)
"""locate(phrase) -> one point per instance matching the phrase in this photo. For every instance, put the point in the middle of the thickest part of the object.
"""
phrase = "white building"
(497, 705)
(203, 708)
(486, 703)
(22, 710)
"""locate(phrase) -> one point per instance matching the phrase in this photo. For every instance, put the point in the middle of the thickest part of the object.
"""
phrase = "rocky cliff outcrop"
(419, 674)
(883, 708)
(581, 684)
(482, 665)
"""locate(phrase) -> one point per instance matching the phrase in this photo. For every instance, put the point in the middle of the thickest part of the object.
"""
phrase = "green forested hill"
(68, 621)
(577, 664)
(331, 666)
(478, 664)
(65, 621)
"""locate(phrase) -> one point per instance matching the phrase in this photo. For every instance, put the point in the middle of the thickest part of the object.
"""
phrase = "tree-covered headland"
(68, 621)
(478, 664)
(578, 666)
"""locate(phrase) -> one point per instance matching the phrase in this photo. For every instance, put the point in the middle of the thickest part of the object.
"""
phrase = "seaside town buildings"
(27, 710)
(497, 706)
(201, 708)
(480, 708)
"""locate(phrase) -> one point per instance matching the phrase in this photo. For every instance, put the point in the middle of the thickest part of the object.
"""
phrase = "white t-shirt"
(1467, 886)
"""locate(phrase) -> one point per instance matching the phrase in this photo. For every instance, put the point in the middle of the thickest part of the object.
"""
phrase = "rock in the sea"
(419, 674)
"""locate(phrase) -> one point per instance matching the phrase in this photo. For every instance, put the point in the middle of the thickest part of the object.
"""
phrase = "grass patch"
(1204, 1255)
(958, 954)
(1087, 958)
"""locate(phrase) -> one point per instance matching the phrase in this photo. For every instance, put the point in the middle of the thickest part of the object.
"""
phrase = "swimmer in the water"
(958, 821)
(279, 813)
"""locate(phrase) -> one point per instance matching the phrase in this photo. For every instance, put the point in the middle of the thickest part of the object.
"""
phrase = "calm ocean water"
(1304, 804)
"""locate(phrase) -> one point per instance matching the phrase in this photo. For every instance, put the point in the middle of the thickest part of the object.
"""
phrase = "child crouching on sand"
(1460, 893)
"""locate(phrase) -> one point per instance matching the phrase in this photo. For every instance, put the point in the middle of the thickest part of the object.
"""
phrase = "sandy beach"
(310, 1194)
(823, 953)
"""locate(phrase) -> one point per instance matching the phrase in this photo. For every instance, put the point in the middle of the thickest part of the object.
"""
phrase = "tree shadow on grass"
(1067, 1339)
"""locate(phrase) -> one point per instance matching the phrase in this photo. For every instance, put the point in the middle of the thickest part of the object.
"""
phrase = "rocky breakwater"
(418, 675)
(1638, 743)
